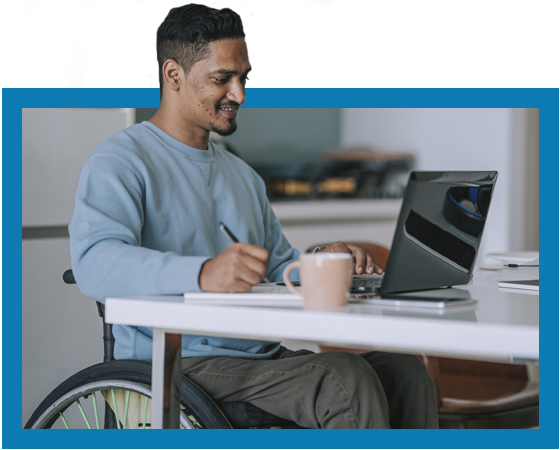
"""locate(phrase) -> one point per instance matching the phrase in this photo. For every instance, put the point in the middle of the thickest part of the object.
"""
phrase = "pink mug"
(325, 278)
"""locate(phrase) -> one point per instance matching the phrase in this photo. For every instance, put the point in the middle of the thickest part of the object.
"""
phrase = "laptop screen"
(439, 230)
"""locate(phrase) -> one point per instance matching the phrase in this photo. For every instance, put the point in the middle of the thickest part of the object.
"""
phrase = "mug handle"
(286, 277)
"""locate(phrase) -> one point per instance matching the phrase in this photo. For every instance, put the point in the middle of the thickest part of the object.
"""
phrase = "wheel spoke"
(95, 409)
(126, 408)
(83, 413)
(145, 414)
(64, 420)
(116, 410)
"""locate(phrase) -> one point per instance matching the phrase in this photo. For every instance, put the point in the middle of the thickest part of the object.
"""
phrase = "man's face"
(215, 87)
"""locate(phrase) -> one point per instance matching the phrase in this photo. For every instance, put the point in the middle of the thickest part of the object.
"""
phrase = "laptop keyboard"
(360, 283)
(365, 283)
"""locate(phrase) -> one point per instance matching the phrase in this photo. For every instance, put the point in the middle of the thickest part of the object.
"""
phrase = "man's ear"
(172, 74)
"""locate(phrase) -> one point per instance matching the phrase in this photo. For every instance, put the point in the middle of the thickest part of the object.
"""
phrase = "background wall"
(279, 135)
(505, 140)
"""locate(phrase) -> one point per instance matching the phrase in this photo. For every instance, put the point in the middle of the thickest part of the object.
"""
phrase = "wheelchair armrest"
(101, 310)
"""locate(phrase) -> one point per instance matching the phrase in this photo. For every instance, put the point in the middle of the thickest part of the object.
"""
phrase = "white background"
(293, 43)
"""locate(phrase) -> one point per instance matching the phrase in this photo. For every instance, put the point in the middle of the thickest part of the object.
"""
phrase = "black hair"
(185, 33)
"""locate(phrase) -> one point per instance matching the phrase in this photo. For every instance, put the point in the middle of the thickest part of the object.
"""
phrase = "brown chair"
(477, 394)
(473, 394)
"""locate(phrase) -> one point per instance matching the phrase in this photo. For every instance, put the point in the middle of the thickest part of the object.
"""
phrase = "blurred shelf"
(347, 210)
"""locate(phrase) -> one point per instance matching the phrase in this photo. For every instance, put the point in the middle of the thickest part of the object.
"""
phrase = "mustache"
(228, 104)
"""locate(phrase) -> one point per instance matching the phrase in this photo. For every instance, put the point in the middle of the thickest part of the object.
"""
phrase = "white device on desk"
(531, 285)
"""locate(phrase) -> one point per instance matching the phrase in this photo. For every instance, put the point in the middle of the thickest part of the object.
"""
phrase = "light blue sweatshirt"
(146, 219)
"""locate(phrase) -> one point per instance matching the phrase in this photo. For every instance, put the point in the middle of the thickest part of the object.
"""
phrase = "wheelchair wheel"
(125, 386)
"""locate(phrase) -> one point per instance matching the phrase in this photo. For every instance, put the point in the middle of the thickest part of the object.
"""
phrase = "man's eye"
(221, 80)
(245, 79)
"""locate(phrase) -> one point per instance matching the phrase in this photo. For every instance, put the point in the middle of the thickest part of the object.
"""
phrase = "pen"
(233, 239)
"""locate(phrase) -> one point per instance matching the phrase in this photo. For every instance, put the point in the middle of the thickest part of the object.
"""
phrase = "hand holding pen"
(233, 239)
(237, 269)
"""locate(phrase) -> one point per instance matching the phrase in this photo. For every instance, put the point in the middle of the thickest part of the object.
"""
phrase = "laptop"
(436, 240)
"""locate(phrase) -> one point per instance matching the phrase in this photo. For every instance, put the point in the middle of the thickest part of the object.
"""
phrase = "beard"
(224, 130)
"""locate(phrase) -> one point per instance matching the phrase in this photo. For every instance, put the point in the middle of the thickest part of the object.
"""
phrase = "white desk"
(502, 326)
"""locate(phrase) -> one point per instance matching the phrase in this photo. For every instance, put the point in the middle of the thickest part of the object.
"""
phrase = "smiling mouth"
(229, 109)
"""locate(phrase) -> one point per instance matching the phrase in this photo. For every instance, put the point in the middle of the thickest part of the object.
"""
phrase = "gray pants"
(324, 390)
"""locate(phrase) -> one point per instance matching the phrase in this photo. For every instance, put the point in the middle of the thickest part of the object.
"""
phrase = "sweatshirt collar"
(194, 154)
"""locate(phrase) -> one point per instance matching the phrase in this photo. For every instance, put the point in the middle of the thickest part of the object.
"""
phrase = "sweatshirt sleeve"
(281, 252)
(105, 238)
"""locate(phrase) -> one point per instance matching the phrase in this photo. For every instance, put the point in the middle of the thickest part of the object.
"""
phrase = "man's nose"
(236, 92)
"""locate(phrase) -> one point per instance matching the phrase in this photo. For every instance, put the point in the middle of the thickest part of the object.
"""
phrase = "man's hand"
(236, 269)
(364, 263)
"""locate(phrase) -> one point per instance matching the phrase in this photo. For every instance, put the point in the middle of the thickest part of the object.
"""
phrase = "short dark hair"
(186, 31)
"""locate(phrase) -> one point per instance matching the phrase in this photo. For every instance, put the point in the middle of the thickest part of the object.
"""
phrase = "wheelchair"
(121, 389)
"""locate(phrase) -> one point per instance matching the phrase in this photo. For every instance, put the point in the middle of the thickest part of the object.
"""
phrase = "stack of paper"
(261, 295)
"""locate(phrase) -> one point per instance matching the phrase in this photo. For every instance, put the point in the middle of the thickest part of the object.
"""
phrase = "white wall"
(56, 143)
(61, 331)
(453, 139)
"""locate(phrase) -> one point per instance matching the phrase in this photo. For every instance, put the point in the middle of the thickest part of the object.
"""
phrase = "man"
(146, 222)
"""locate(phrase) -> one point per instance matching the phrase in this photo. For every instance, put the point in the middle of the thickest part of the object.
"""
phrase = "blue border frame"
(13, 100)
